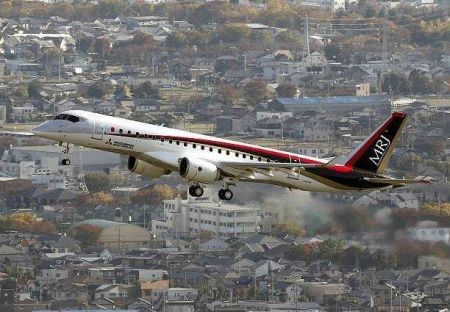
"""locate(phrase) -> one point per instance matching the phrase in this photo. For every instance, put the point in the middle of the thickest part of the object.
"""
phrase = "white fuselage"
(164, 147)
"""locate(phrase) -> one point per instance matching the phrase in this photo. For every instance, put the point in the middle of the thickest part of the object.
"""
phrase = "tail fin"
(374, 153)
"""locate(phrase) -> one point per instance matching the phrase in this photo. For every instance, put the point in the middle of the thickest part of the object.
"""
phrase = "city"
(308, 77)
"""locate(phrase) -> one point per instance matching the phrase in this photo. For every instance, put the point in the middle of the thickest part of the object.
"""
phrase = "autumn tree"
(353, 219)
(255, 92)
(290, 227)
(153, 195)
(227, 93)
(87, 234)
(97, 181)
(99, 198)
(230, 33)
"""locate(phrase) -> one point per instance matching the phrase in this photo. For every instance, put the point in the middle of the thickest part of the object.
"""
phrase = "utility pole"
(306, 50)
(385, 47)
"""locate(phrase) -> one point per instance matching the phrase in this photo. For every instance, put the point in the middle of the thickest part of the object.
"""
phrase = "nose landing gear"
(65, 161)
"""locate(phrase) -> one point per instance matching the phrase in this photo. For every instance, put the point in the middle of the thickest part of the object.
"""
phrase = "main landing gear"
(225, 193)
(196, 190)
(65, 161)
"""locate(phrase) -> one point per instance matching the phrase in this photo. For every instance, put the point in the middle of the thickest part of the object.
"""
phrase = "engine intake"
(144, 168)
(198, 170)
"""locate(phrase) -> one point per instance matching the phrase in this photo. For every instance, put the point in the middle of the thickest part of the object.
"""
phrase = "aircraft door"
(98, 131)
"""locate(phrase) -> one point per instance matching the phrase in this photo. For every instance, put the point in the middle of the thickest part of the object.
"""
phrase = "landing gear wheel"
(196, 191)
(225, 194)
(65, 162)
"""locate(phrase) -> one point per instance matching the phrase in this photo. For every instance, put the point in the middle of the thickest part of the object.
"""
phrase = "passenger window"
(162, 139)
(185, 144)
(121, 131)
(259, 158)
(137, 134)
(112, 129)
(228, 153)
(219, 151)
(210, 149)
(237, 154)
(202, 147)
(170, 141)
(251, 157)
(178, 142)
(194, 145)
(244, 155)
(129, 132)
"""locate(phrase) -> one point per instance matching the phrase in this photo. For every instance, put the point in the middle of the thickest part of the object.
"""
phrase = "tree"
(420, 83)
(255, 92)
(227, 93)
(122, 91)
(286, 90)
(87, 234)
(232, 33)
(21, 92)
(99, 198)
(146, 90)
(153, 195)
(290, 227)
(331, 249)
(34, 88)
(353, 219)
(6, 142)
(403, 218)
(97, 181)
(99, 89)
(395, 84)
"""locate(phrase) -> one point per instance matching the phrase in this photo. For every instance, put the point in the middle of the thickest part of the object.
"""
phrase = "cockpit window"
(70, 118)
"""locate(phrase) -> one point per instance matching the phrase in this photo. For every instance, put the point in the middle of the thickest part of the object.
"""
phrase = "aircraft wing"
(248, 169)
(399, 182)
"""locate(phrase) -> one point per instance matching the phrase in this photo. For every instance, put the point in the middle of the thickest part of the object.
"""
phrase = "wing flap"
(399, 181)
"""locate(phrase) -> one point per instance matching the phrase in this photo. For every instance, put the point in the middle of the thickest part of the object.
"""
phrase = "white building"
(198, 215)
(432, 234)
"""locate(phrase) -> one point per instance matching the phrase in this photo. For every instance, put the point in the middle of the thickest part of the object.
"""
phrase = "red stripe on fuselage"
(260, 151)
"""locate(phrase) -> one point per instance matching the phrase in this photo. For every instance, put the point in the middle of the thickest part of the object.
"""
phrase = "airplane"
(154, 151)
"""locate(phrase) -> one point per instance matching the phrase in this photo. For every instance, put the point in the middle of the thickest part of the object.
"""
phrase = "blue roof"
(335, 100)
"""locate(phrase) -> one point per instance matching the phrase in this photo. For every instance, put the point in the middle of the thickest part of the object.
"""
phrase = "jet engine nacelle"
(198, 170)
(144, 168)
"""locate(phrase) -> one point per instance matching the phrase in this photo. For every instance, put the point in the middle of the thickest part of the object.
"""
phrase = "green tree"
(112, 8)
(286, 90)
(146, 90)
(255, 92)
(34, 88)
(331, 249)
(97, 182)
(395, 83)
(420, 83)
(21, 92)
(231, 33)
(99, 89)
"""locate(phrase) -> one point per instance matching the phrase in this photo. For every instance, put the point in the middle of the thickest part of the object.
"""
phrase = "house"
(214, 245)
(153, 290)
(113, 291)
(227, 124)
